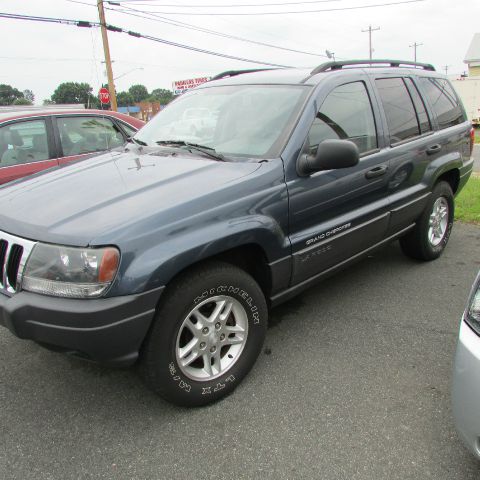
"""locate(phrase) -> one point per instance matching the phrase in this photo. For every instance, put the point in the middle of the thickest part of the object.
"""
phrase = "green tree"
(161, 95)
(28, 95)
(47, 101)
(9, 94)
(124, 99)
(73, 92)
(139, 93)
(22, 101)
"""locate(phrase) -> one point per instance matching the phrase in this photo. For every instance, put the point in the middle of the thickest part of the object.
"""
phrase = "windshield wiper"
(195, 146)
(135, 140)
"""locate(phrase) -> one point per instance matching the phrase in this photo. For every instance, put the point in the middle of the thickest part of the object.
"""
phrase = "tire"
(218, 314)
(428, 239)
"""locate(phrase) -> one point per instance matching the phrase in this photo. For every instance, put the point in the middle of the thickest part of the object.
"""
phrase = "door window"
(79, 135)
(398, 106)
(346, 113)
(443, 100)
(129, 129)
(23, 142)
(423, 120)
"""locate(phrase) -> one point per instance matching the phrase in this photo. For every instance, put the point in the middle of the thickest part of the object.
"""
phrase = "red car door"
(26, 147)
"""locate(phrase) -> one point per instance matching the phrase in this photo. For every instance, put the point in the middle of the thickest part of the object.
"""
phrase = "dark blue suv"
(170, 251)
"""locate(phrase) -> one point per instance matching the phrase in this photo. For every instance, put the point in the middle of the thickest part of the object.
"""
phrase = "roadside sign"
(104, 95)
(181, 86)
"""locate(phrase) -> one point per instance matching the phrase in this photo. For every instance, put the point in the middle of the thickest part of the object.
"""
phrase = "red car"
(31, 141)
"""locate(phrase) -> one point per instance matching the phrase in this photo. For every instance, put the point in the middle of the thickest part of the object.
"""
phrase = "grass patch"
(477, 135)
(467, 204)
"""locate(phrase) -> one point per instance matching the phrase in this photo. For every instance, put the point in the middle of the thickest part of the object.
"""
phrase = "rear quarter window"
(443, 100)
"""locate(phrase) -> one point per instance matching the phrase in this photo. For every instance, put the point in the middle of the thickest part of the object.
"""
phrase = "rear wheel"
(430, 236)
(207, 335)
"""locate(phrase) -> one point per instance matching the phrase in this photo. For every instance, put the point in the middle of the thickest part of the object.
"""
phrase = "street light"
(330, 55)
(129, 71)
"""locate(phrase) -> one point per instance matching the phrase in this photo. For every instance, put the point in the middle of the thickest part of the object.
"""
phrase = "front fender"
(157, 265)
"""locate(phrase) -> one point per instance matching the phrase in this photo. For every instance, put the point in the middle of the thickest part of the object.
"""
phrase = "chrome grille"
(14, 252)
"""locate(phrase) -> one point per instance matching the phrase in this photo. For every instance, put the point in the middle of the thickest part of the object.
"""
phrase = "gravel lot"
(354, 384)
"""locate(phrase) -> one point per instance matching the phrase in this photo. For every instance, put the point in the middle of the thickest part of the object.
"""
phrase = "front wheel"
(430, 236)
(207, 334)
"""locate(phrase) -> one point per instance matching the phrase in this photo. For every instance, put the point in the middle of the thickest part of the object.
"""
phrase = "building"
(472, 58)
(468, 85)
(142, 110)
(132, 110)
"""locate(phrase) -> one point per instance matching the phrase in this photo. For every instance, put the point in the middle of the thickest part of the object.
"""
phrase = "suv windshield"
(238, 121)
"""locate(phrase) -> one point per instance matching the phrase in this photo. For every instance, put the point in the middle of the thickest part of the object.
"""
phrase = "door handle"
(434, 149)
(376, 172)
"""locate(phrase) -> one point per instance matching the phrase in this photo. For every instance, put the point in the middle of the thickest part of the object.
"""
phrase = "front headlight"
(70, 272)
(472, 313)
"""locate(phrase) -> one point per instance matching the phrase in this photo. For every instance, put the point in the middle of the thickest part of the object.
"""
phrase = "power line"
(133, 2)
(82, 3)
(188, 26)
(288, 12)
(47, 59)
(81, 23)
(64, 21)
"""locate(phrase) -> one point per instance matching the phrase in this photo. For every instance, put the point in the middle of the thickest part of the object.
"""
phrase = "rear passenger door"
(413, 146)
(335, 214)
(448, 113)
(80, 136)
(26, 147)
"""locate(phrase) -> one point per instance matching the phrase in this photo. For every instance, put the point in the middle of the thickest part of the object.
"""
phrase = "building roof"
(129, 109)
(473, 52)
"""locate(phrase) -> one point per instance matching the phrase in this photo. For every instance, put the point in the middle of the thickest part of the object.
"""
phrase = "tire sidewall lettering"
(447, 234)
(237, 291)
(182, 384)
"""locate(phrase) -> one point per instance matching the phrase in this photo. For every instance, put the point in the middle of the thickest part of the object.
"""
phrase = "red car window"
(83, 134)
(23, 142)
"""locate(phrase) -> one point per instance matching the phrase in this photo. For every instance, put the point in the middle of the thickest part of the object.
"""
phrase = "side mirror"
(331, 155)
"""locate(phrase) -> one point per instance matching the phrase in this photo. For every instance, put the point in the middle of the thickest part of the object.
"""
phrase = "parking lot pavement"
(354, 384)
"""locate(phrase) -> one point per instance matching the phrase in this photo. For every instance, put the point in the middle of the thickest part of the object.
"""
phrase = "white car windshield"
(235, 121)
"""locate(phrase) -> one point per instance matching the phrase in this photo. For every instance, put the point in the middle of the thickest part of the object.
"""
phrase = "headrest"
(39, 143)
(12, 137)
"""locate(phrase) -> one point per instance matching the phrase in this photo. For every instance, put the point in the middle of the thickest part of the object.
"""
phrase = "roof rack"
(233, 73)
(392, 63)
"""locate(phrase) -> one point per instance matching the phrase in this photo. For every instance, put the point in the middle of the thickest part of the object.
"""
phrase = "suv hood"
(75, 204)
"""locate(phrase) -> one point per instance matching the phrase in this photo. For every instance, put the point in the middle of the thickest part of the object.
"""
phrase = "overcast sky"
(40, 56)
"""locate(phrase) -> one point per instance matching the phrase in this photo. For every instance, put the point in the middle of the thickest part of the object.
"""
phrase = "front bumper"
(466, 388)
(108, 330)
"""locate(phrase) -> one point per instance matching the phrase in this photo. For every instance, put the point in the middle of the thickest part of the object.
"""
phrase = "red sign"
(104, 95)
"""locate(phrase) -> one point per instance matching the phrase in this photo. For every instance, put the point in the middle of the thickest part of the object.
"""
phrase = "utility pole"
(370, 30)
(415, 45)
(108, 61)
(446, 67)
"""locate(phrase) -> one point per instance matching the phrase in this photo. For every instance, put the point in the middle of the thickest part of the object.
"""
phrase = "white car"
(466, 374)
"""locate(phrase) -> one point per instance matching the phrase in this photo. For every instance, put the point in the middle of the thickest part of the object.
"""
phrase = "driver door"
(337, 214)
